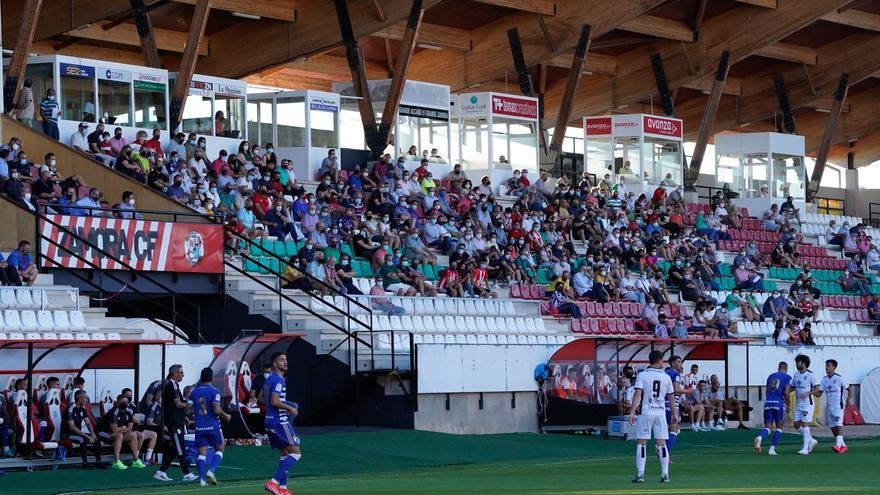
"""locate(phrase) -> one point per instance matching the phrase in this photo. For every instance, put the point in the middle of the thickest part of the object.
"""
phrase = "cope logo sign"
(599, 127)
(662, 127)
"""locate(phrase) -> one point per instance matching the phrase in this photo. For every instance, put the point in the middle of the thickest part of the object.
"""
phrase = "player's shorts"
(212, 439)
(775, 415)
(281, 436)
(833, 417)
(648, 425)
(804, 412)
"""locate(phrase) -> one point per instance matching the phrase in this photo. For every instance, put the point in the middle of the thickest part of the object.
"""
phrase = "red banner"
(661, 126)
(142, 244)
(514, 107)
(598, 126)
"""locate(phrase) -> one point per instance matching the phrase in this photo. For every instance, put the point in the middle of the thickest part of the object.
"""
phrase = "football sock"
(777, 435)
(664, 461)
(149, 455)
(838, 440)
(286, 463)
(281, 473)
(806, 432)
(216, 460)
(641, 452)
(764, 433)
(200, 463)
(673, 437)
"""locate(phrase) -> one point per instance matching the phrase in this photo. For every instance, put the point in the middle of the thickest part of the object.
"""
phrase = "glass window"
(754, 172)
(291, 127)
(425, 135)
(626, 159)
(149, 105)
(351, 130)
(665, 160)
(728, 173)
(198, 115)
(517, 141)
(475, 144)
(828, 206)
(260, 121)
(253, 122)
(599, 155)
(42, 77)
(789, 176)
(229, 116)
(323, 128)
(77, 98)
(114, 99)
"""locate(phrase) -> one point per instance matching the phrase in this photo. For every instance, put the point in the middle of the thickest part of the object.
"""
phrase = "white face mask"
(131, 202)
(52, 162)
(27, 196)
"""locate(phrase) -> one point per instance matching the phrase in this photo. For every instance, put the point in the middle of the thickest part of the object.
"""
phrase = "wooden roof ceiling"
(296, 44)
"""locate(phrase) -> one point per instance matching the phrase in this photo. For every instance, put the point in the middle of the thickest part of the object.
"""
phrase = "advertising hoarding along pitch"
(142, 244)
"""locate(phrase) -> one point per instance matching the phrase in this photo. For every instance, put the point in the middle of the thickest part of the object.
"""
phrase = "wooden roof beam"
(596, 63)
(767, 4)
(280, 43)
(490, 59)
(854, 18)
(742, 31)
(789, 53)
(126, 34)
(543, 7)
(431, 35)
(660, 28)
(732, 85)
(282, 10)
(854, 54)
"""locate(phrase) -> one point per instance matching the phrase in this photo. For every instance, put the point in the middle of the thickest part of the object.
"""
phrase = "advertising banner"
(598, 126)
(662, 126)
(142, 244)
(514, 107)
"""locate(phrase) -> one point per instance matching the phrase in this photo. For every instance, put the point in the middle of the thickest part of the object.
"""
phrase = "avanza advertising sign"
(598, 126)
(142, 244)
(662, 126)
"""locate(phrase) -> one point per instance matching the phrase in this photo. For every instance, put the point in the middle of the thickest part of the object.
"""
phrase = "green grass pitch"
(412, 462)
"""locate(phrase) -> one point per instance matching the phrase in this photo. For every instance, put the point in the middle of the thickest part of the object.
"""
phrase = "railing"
(346, 328)
(174, 215)
(874, 214)
(412, 393)
(148, 299)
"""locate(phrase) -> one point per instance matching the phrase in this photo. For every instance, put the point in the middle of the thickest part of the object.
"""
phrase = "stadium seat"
(11, 320)
(45, 320)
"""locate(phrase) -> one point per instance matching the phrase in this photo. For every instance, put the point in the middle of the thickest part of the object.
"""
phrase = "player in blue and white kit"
(832, 387)
(778, 388)
(806, 386)
(279, 413)
(653, 389)
(208, 412)
(674, 371)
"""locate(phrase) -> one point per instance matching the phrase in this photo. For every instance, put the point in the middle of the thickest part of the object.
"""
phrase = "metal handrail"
(286, 263)
(212, 217)
(281, 294)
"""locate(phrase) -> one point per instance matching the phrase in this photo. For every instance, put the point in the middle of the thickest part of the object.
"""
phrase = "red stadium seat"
(629, 326)
(590, 309)
(515, 291)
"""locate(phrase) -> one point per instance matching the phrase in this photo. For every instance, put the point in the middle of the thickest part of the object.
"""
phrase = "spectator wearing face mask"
(23, 262)
(176, 191)
(49, 112)
(12, 187)
(88, 205)
(127, 207)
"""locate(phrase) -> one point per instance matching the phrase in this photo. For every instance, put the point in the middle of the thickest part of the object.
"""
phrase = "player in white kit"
(806, 386)
(653, 390)
(832, 387)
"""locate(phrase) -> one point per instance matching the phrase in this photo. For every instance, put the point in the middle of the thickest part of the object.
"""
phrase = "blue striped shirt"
(48, 110)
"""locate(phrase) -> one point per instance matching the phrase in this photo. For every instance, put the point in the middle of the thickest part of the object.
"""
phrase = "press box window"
(78, 98)
(114, 98)
(149, 104)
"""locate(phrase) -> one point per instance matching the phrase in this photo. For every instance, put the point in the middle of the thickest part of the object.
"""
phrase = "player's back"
(203, 398)
(276, 385)
(776, 384)
(655, 385)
